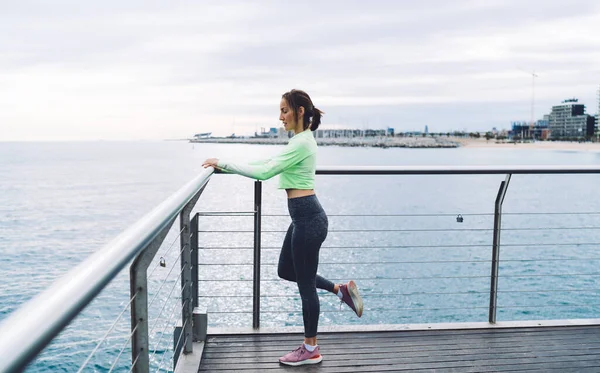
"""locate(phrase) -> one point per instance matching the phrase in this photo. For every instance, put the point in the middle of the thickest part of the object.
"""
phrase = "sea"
(419, 247)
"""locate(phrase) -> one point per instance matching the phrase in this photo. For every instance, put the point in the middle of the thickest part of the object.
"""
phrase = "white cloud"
(155, 70)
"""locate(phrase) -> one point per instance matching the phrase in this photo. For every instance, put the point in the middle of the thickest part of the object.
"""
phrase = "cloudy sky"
(119, 70)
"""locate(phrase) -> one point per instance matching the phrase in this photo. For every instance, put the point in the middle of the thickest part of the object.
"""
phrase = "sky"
(153, 70)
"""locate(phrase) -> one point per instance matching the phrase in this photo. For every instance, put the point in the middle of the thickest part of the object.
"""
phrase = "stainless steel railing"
(28, 330)
(223, 304)
(32, 327)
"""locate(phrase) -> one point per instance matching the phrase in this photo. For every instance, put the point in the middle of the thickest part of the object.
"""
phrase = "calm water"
(59, 202)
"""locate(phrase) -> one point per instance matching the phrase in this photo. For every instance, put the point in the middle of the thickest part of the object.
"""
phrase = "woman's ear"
(301, 111)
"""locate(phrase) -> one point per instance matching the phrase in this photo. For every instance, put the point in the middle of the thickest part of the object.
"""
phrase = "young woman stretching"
(299, 256)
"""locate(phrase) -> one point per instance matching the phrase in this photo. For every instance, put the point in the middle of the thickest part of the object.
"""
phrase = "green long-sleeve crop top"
(296, 164)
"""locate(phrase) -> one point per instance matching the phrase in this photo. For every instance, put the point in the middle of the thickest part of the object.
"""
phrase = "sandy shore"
(548, 145)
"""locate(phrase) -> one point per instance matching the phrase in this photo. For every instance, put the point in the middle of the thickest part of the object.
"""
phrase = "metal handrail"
(457, 170)
(30, 329)
(506, 170)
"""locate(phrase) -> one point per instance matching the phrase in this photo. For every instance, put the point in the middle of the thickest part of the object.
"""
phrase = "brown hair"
(296, 99)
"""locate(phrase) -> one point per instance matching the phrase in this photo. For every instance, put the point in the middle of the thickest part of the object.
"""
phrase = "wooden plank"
(441, 336)
(319, 368)
(340, 353)
(406, 335)
(557, 349)
(439, 363)
(431, 344)
(576, 368)
(412, 334)
(554, 348)
(540, 329)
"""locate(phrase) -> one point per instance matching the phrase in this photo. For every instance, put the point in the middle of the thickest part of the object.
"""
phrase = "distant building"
(426, 130)
(569, 120)
(411, 134)
(527, 130)
(598, 115)
(273, 132)
(598, 112)
(350, 133)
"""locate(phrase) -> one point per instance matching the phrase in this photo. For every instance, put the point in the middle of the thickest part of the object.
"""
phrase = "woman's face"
(286, 115)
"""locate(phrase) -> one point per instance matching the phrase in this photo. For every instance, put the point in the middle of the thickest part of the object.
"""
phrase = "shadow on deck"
(538, 349)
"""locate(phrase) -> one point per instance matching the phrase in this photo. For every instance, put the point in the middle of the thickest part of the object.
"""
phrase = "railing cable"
(123, 348)
(107, 333)
(168, 323)
(168, 297)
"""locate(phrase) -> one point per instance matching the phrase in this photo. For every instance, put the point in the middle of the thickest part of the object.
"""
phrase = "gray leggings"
(299, 256)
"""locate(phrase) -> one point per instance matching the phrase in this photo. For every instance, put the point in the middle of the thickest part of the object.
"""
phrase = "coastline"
(538, 145)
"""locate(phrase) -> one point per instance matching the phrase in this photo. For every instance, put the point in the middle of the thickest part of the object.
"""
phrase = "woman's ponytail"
(316, 119)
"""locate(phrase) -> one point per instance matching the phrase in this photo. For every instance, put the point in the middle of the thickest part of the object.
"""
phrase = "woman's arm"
(266, 169)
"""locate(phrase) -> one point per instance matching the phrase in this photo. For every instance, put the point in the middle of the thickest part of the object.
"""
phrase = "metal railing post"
(187, 306)
(496, 248)
(139, 307)
(256, 277)
(194, 243)
(199, 316)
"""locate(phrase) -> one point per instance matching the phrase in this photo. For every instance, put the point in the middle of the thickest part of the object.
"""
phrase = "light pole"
(533, 76)
(532, 119)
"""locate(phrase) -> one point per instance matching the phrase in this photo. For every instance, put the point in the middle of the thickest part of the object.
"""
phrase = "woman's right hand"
(211, 162)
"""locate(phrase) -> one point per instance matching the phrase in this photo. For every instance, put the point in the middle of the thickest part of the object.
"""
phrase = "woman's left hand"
(211, 162)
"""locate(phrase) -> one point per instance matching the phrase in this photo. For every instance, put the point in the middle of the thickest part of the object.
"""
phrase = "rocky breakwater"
(379, 142)
(391, 142)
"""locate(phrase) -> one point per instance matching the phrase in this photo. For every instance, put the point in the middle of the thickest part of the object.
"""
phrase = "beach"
(541, 145)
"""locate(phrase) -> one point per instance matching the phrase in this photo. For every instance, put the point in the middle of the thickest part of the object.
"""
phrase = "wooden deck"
(540, 349)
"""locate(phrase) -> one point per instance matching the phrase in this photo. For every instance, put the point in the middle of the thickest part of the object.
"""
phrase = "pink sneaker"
(301, 356)
(351, 297)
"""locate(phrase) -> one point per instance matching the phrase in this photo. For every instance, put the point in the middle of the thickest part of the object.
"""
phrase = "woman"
(299, 256)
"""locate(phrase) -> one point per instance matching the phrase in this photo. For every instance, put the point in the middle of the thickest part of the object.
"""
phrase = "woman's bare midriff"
(295, 193)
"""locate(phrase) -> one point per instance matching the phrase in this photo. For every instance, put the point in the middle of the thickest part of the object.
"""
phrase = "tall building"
(597, 129)
(598, 112)
(569, 120)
